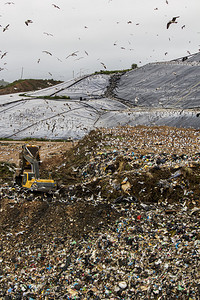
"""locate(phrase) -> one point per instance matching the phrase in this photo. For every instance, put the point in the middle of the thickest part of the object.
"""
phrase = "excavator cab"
(28, 179)
(42, 185)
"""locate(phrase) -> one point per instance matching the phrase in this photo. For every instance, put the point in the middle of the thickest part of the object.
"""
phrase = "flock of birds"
(74, 54)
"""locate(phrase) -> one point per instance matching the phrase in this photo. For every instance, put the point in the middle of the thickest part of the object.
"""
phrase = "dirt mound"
(26, 85)
(40, 217)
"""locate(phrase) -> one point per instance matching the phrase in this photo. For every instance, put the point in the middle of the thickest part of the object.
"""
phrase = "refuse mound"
(123, 224)
(7, 171)
(25, 85)
(143, 252)
(154, 164)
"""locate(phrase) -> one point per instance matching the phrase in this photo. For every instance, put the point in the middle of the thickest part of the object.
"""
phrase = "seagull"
(129, 22)
(6, 28)
(56, 6)
(103, 65)
(72, 54)
(48, 33)
(3, 54)
(173, 20)
(47, 52)
(28, 21)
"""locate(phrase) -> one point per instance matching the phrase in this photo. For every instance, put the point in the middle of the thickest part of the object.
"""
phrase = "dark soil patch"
(36, 218)
(26, 85)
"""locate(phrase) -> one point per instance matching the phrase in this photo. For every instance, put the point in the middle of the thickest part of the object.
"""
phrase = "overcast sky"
(102, 33)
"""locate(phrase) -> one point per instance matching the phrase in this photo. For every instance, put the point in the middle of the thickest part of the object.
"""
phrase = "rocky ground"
(123, 224)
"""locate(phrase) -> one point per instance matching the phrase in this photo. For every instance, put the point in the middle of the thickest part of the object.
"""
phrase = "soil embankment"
(26, 85)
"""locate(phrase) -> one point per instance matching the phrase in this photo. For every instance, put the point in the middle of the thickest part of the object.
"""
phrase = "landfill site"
(121, 153)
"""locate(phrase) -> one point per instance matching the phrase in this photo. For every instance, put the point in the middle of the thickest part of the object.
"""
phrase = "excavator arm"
(35, 165)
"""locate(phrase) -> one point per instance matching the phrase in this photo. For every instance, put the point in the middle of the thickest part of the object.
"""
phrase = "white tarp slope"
(174, 84)
(88, 86)
(143, 97)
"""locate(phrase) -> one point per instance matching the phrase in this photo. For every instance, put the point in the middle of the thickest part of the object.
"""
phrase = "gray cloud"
(105, 29)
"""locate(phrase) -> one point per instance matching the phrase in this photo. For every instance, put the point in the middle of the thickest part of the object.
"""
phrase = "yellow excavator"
(28, 175)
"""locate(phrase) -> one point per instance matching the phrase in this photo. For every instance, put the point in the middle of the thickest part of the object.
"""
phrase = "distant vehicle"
(28, 175)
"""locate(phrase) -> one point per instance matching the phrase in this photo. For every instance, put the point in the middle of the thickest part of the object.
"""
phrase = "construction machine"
(28, 175)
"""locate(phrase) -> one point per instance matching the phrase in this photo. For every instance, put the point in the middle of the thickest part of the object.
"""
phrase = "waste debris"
(123, 224)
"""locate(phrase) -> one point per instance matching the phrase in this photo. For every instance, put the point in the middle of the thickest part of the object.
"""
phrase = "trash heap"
(151, 164)
(124, 223)
(149, 252)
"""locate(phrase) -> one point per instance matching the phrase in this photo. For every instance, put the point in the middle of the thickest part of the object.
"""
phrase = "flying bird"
(3, 54)
(56, 6)
(129, 22)
(48, 33)
(103, 65)
(173, 20)
(6, 28)
(47, 52)
(72, 54)
(9, 3)
(86, 53)
(38, 61)
(28, 22)
(182, 26)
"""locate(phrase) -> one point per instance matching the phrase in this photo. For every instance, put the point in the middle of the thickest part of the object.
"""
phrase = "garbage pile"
(124, 223)
(150, 251)
(152, 164)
